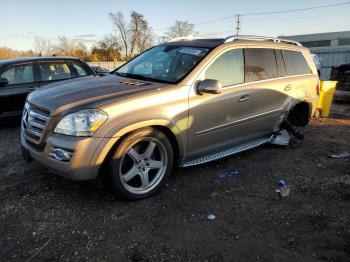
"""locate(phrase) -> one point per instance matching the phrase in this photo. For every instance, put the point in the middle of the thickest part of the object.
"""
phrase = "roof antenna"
(238, 23)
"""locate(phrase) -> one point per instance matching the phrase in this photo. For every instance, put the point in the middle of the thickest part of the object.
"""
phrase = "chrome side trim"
(237, 122)
(227, 152)
(263, 81)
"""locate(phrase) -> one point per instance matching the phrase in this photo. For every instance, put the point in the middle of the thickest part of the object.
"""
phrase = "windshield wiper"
(141, 77)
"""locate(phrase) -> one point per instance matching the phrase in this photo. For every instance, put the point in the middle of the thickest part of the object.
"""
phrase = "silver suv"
(185, 102)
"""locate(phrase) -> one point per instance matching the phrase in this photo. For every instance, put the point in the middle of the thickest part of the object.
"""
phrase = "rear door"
(265, 73)
(22, 80)
(53, 71)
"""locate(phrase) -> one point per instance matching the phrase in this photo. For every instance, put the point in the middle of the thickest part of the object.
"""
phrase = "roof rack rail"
(260, 38)
(188, 38)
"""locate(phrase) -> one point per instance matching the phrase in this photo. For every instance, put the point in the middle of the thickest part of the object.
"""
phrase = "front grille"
(34, 121)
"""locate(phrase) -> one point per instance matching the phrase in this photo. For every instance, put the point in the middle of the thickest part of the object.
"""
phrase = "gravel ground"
(47, 218)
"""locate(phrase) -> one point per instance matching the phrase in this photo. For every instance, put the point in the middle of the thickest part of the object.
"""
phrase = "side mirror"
(210, 86)
(3, 81)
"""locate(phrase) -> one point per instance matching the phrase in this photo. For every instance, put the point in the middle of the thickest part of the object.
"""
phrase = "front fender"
(178, 129)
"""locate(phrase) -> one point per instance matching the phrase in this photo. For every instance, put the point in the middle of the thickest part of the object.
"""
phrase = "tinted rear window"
(295, 63)
(260, 64)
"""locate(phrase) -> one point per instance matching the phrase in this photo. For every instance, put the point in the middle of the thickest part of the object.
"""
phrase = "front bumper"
(88, 154)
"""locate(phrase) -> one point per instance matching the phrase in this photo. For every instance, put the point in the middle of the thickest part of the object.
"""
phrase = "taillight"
(318, 88)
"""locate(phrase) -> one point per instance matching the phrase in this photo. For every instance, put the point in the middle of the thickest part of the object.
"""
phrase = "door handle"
(244, 98)
(288, 87)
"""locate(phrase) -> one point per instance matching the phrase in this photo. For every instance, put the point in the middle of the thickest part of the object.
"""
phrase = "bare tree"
(136, 35)
(42, 46)
(107, 49)
(68, 47)
(181, 29)
(65, 46)
(141, 34)
(122, 27)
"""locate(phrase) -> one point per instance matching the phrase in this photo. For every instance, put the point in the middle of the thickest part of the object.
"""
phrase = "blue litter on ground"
(221, 176)
(230, 173)
(233, 173)
(281, 182)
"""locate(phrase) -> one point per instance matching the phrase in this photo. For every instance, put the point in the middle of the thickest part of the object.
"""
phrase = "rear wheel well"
(300, 114)
(166, 131)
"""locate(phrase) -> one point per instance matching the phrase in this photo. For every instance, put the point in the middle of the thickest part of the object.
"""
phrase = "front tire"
(141, 164)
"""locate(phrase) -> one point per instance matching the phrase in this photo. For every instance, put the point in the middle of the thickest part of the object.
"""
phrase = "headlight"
(81, 123)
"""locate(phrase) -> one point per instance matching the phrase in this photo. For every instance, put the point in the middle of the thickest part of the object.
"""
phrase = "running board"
(228, 151)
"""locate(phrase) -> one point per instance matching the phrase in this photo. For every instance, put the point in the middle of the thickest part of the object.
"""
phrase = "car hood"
(87, 91)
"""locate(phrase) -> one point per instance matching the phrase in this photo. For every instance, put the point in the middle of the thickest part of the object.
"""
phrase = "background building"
(332, 48)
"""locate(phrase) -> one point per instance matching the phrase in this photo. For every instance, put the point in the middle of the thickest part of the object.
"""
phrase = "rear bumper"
(88, 154)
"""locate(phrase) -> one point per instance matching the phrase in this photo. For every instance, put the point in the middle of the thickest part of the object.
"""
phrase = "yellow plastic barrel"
(326, 96)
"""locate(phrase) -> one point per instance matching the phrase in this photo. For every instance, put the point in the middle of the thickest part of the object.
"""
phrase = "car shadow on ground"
(12, 122)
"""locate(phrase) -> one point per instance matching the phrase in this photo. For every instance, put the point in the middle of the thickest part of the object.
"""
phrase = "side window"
(80, 70)
(260, 64)
(228, 68)
(54, 71)
(295, 63)
(281, 68)
(19, 74)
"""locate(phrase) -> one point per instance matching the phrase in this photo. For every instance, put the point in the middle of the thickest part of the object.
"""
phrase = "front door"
(21, 81)
(215, 120)
(53, 71)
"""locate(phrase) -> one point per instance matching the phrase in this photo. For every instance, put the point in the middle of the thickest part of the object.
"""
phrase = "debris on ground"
(340, 155)
(230, 173)
(284, 190)
(281, 183)
(233, 173)
(282, 138)
(211, 216)
(195, 216)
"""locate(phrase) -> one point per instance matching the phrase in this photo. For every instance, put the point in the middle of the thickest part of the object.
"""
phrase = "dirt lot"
(45, 217)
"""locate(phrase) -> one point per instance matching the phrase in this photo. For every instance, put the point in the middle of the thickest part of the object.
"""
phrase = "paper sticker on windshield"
(190, 51)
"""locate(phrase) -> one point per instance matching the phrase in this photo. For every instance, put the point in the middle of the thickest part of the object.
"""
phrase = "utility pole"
(238, 23)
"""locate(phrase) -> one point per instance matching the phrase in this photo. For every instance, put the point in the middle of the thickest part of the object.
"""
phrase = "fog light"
(60, 154)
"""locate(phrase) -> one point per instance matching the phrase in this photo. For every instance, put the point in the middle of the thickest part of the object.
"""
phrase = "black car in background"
(341, 74)
(20, 76)
(100, 70)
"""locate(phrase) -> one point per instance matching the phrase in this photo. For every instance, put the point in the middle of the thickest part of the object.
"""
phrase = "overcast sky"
(88, 20)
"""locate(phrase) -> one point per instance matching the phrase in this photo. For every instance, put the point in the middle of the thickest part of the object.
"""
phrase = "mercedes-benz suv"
(184, 102)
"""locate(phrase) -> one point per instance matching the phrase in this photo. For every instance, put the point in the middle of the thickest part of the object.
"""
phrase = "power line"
(265, 13)
(295, 10)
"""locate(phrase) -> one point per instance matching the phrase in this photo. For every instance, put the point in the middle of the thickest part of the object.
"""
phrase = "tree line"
(130, 36)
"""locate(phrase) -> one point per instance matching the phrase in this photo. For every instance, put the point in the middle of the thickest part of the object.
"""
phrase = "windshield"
(166, 63)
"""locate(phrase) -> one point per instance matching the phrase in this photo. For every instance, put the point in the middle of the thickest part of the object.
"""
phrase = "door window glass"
(228, 68)
(19, 74)
(295, 63)
(81, 71)
(54, 71)
(260, 64)
(281, 68)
